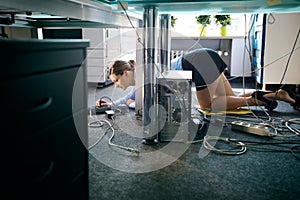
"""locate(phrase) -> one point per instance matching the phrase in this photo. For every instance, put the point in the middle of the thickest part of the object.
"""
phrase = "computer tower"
(174, 106)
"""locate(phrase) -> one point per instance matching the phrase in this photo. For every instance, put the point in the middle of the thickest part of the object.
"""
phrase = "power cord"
(132, 150)
(233, 142)
(288, 150)
(100, 138)
(295, 121)
(129, 149)
(107, 97)
(95, 124)
(251, 144)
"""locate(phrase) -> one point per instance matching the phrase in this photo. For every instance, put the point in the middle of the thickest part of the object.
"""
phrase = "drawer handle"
(46, 171)
(40, 105)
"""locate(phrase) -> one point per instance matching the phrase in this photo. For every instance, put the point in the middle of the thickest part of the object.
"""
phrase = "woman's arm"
(130, 96)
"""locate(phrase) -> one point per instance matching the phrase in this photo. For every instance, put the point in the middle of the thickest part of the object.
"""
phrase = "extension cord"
(259, 129)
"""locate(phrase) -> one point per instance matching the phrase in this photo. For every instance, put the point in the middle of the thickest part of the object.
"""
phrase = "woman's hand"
(102, 103)
(129, 102)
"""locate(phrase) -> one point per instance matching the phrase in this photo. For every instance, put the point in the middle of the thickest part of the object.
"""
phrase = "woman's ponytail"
(132, 64)
(120, 66)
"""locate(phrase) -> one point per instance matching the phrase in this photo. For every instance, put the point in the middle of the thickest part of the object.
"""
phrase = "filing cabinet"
(44, 99)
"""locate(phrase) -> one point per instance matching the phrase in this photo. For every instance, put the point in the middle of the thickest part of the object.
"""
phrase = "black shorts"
(205, 64)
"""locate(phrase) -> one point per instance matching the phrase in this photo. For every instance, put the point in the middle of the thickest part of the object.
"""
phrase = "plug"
(109, 114)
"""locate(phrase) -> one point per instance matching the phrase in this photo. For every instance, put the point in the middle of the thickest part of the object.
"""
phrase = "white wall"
(280, 38)
(240, 59)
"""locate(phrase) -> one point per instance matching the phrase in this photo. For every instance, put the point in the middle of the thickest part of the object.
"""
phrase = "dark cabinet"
(44, 126)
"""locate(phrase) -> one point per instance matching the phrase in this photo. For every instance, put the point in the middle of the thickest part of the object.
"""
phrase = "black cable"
(138, 36)
(151, 58)
(271, 19)
(294, 153)
(243, 144)
(266, 65)
(107, 97)
(289, 58)
(269, 143)
(287, 64)
(251, 144)
(250, 46)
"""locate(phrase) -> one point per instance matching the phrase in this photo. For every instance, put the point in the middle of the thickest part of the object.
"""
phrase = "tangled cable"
(132, 150)
(233, 142)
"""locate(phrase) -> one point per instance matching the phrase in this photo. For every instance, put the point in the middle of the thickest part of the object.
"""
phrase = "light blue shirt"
(176, 64)
(130, 95)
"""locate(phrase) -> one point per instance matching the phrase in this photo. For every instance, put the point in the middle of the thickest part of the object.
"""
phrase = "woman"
(121, 74)
(213, 90)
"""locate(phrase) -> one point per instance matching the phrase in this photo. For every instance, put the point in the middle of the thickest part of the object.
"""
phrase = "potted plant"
(173, 21)
(203, 21)
(223, 21)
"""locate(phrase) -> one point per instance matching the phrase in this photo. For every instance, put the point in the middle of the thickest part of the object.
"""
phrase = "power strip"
(257, 129)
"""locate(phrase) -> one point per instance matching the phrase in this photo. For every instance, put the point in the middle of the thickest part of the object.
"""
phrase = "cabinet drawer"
(35, 102)
(63, 144)
(48, 164)
(28, 57)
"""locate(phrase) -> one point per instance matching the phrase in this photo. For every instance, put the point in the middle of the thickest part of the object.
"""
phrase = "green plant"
(223, 20)
(203, 19)
(173, 21)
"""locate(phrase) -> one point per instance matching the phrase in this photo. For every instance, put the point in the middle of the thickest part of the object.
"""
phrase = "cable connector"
(110, 114)
(133, 150)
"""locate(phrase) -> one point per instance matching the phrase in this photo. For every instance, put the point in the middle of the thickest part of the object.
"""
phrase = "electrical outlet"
(257, 129)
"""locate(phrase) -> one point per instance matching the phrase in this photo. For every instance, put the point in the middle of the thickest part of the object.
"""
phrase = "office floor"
(269, 169)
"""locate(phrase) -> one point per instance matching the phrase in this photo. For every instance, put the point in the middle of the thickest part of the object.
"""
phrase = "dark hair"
(120, 66)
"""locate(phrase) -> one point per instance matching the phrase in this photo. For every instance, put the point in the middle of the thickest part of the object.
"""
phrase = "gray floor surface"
(174, 170)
